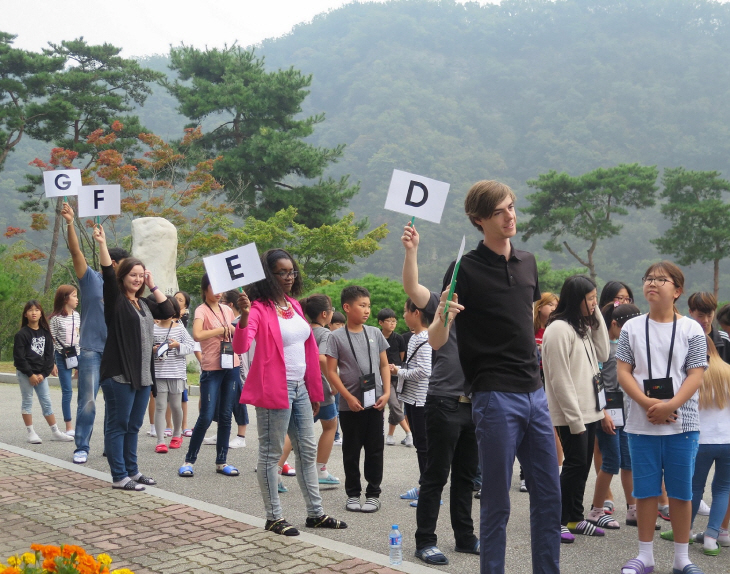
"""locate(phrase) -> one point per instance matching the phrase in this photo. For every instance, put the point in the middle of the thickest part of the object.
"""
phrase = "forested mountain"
(461, 92)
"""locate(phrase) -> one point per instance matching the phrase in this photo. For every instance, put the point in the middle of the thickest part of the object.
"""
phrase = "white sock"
(681, 555)
(409, 434)
(29, 428)
(322, 466)
(123, 481)
(136, 476)
(54, 428)
(710, 543)
(646, 555)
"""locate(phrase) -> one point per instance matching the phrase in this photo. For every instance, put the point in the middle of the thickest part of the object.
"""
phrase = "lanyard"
(367, 342)
(220, 321)
(671, 346)
(588, 355)
(414, 354)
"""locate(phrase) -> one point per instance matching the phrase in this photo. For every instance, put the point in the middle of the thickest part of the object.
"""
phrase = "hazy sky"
(150, 26)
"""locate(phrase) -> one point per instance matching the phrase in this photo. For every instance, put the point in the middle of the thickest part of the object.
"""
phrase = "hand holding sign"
(416, 195)
(99, 200)
(62, 182)
(453, 279)
(234, 268)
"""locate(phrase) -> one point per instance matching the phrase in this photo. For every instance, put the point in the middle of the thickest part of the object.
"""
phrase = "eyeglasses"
(286, 274)
(658, 281)
(621, 301)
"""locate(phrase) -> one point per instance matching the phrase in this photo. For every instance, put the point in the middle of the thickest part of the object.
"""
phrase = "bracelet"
(153, 289)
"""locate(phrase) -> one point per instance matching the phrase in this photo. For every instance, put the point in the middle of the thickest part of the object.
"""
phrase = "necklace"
(286, 312)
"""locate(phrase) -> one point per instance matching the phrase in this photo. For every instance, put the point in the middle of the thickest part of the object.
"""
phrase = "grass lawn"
(7, 367)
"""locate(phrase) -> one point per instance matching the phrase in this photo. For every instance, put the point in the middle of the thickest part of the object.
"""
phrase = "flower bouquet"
(64, 559)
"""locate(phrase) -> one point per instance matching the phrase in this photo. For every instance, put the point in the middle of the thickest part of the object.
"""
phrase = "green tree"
(585, 206)
(383, 293)
(700, 218)
(25, 78)
(552, 279)
(266, 166)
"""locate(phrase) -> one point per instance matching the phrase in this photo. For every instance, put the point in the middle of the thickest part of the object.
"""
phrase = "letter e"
(232, 268)
(410, 194)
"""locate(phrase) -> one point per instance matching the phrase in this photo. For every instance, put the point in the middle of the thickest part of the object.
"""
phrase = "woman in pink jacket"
(284, 384)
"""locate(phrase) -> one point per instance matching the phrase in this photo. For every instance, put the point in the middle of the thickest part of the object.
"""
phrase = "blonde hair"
(545, 299)
(715, 389)
(483, 198)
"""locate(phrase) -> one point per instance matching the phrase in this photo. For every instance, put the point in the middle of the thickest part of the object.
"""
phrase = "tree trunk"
(54, 245)
(716, 263)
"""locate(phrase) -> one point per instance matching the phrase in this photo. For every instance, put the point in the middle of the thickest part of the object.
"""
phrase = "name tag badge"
(600, 391)
(662, 389)
(615, 407)
(367, 385)
(226, 355)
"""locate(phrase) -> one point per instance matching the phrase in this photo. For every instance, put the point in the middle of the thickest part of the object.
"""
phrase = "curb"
(248, 519)
(10, 379)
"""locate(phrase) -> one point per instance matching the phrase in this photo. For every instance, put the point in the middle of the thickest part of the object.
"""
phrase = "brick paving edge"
(242, 517)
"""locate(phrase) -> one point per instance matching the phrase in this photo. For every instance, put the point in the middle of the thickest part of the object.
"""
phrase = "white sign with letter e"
(62, 182)
(99, 200)
(416, 195)
(234, 268)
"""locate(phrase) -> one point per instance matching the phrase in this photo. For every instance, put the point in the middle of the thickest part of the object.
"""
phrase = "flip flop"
(637, 566)
(228, 470)
(185, 471)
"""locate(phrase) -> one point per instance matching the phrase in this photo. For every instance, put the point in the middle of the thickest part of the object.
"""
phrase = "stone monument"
(154, 242)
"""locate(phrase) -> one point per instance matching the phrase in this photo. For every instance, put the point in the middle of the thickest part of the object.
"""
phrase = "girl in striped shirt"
(64, 325)
(172, 343)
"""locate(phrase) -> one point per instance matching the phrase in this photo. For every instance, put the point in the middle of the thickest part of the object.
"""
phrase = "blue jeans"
(124, 417)
(509, 425)
(614, 450)
(706, 455)
(26, 393)
(87, 389)
(273, 426)
(64, 376)
(216, 388)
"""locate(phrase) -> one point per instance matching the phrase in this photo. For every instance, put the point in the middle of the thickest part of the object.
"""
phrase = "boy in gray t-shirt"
(359, 352)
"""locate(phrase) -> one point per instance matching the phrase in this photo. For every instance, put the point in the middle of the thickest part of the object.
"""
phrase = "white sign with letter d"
(234, 268)
(416, 195)
(99, 200)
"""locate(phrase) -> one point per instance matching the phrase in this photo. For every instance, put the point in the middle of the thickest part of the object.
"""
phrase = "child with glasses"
(661, 358)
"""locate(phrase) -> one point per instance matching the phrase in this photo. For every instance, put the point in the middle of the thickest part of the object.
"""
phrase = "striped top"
(65, 331)
(173, 365)
(414, 374)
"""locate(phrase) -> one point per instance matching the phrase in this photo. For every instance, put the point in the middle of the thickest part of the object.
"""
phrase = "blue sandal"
(228, 470)
(185, 471)
(689, 569)
(432, 555)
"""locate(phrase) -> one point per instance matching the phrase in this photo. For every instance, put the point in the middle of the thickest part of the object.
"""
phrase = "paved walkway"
(153, 532)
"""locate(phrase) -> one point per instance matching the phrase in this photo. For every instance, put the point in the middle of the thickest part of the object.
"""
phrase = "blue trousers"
(509, 425)
(88, 387)
(64, 377)
(707, 454)
(125, 409)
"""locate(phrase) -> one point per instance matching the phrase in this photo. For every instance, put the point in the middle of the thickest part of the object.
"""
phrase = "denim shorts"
(326, 413)
(614, 450)
(672, 456)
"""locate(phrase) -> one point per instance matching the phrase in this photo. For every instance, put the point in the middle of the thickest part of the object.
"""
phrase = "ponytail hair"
(715, 389)
(314, 305)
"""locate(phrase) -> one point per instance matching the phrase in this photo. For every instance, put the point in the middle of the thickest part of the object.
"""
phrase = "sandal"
(432, 555)
(565, 536)
(412, 494)
(168, 432)
(228, 470)
(689, 569)
(175, 442)
(325, 521)
(188, 432)
(185, 471)
(605, 521)
(146, 480)
(161, 448)
(129, 485)
(281, 526)
(371, 505)
(587, 529)
(637, 566)
(669, 535)
(475, 549)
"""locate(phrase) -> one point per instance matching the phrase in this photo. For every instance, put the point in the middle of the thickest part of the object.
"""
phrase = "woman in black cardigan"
(127, 371)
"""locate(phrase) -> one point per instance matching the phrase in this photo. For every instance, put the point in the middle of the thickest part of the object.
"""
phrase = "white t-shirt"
(715, 426)
(294, 332)
(690, 352)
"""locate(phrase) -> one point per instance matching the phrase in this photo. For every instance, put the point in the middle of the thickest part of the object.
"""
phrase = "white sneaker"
(211, 440)
(237, 442)
(71, 432)
(390, 440)
(408, 440)
(704, 510)
(33, 438)
(60, 436)
(152, 432)
(338, 442)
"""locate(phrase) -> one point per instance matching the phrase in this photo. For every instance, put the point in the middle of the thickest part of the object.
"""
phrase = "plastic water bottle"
(395, 544)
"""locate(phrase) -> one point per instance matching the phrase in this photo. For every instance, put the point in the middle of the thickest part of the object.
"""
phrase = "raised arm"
(438, 334)
(100, 237)
(419, 294)
(77, 256)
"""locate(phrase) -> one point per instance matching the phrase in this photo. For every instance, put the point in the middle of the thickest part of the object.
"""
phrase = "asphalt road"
(587, 555)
